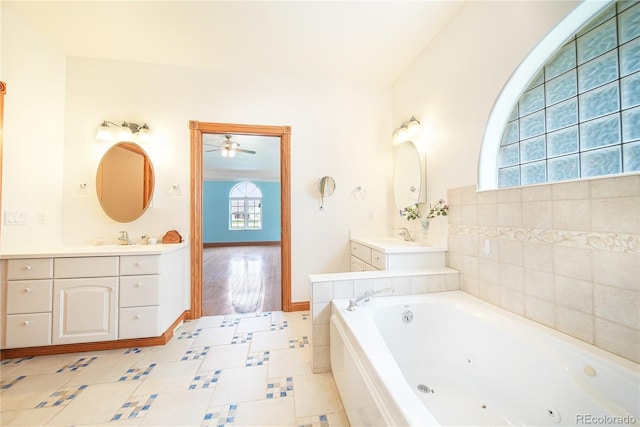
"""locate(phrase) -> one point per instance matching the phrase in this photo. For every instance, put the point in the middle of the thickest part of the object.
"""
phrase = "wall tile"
(618, 339)
(488, 214)
(419, 285)
(575, 323)
(320, 334)
(487, 197)
(618, 269)
(342, 289)
(470, 245)
(617, 305)
(320, 312)
(362, 286)
(382, 283)
(489, 292)
(452, 282)
(540, 310)
(401, 285)
(510, 195)
(616, 214)
(623, 186)
(571, 190)
(469, 214)
(574, 293)
(469, 195)
(510, 214)
(512, 300)
(489, 270)
(321, 361)
(322, 291)
(437, 283)
(539, 284)
(510, 251)
(471, 285)
(536, 193)
(571, 214)
(573, 262)
(537, 214)
(512, 277)
(538, 256)
(453, 196)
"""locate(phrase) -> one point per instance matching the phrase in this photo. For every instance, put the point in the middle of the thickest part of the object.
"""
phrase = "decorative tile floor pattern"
(207, 375)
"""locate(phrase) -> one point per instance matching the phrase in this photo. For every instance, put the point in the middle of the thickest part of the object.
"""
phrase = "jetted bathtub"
(449, 358)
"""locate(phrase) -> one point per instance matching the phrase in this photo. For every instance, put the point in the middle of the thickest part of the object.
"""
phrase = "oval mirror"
(124, 182)
(407, 175)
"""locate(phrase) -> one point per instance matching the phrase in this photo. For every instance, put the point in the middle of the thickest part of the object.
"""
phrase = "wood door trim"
(284, 133)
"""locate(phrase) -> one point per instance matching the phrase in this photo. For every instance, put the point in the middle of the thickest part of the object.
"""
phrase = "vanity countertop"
(90, 250)
(394, 245)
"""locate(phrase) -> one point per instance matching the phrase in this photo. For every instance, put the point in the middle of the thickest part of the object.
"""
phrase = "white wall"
(34, 72)
(452, 85)
(339, 128)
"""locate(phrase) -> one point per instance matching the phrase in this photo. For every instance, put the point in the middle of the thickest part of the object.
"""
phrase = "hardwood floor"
(241, 279)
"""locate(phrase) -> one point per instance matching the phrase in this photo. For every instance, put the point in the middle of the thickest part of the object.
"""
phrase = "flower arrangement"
(413, 211)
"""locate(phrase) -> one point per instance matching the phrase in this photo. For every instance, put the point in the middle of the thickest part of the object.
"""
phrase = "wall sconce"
(123, 132)
(407, 130)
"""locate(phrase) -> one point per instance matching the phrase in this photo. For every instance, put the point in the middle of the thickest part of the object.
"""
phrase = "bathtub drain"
(407, 316)
(425, 388)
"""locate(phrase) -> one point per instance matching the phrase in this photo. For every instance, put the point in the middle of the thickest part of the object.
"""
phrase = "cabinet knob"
(138, 285)
(27, 290)
(28, 267)
(111, 288)
(26, 323)
(138, 316)
(138, 263)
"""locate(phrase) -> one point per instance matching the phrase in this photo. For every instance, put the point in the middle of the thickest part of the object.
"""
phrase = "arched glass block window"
(245, 207)
(580, 115)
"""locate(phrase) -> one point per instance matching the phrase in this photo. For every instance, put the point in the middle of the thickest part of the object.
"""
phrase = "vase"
(425, 223)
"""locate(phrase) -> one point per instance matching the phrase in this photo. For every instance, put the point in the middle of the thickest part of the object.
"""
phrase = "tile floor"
(233, 370)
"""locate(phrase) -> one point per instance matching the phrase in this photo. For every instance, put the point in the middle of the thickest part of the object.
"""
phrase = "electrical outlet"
(41, 218)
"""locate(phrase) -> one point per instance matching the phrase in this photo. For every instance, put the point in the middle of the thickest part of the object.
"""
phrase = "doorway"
(197, 130)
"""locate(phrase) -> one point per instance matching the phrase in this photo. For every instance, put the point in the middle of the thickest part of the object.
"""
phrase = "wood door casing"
(197, 129)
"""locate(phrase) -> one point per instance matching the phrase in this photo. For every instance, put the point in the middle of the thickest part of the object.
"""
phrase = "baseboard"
(12, 353)
(299, 306)
(219, 245)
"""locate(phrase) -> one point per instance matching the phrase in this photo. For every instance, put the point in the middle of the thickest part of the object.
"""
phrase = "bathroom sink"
(396, 242)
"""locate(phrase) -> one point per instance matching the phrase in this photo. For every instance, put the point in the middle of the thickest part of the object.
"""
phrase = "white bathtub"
(475, 364)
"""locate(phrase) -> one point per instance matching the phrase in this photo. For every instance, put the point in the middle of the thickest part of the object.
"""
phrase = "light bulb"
(403, 133)
(413, 127)
(224, 152)
(144, 133)
(104, 133)
(124, 133)
(232, 153)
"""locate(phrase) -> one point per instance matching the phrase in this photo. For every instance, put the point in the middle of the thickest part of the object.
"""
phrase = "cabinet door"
(357, 264)
(85, 310)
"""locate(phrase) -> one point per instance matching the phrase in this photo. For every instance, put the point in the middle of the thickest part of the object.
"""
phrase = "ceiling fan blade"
(209, 151)
(245, 151)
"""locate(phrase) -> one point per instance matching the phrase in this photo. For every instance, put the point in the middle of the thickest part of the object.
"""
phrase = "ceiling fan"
(229, 148)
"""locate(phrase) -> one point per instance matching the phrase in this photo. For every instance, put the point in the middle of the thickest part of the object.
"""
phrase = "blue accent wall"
(215, 214)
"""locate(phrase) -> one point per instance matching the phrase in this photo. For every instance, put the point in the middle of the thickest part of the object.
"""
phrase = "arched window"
(579, 116)
(245, 207)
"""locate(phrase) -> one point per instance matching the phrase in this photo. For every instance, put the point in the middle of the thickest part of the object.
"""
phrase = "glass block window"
(245, 207)
(580, 116)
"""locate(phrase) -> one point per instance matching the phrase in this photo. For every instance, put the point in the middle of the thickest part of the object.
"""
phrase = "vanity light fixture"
(407, 130)
(123, 132)
(413, 127)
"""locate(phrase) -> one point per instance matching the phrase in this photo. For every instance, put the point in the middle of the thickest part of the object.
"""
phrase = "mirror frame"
(148, 180)
(415, 169)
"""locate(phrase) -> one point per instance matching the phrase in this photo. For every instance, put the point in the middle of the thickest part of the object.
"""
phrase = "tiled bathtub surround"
(326, 287)
(566, 255)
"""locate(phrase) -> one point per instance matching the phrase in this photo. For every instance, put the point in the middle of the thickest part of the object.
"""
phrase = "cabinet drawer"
(85, 267)
(138, 322)
(139, 290)
(378, 260)
(361, 251)
(30, 268)
(132, 265)
(29, 296)
(28, 330)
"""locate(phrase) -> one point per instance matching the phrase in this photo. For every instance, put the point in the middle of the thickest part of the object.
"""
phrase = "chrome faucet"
(406, 234)
(353, 303)
(124, 238)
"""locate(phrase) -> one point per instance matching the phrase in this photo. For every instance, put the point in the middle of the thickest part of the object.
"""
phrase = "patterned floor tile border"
(4, 385)
(299, 343)
(134, 374)
(77, 365)
(17, 361)
(242, 338)
(258, 358)
(195, 353)
(226, 323)
(279, 325)
(615, 242)
(315, 421)
(205, 380)
(137, 407)
(220, 416)
(189, 334)
(280, 387)
(136, 350)
(62, 397)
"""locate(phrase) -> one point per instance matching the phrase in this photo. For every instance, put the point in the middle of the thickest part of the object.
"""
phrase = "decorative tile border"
(195, 353)
(77, 365)
(184, 335)
(242, 338)
(257, 359)
(16, 361)
(279, 325)
(220, 416)
(614, 242)
(136, 350)
(134, 374)
(281, 387)
(315, 421)
(136, 408)
(226, 323)
(206, 380)
(299, 343)
(62, 397)
(7, 384)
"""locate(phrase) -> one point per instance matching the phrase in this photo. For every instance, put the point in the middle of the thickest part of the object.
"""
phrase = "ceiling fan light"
(232, 153)
(224, 152)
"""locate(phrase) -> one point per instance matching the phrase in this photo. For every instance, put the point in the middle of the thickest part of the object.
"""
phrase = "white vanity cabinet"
(29, 302)
(85, 297)
(387, 254)
(139, 296)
